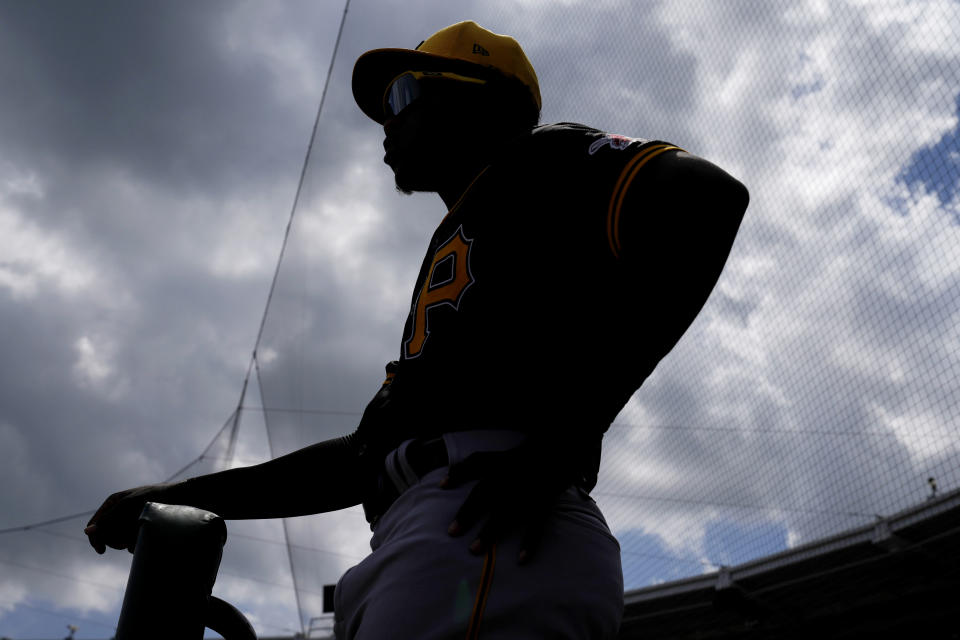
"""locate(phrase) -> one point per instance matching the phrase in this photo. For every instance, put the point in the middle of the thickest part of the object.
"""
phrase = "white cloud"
(20, 183)
(90, 366)
(341, 234)
(250, 35)
(925, 433)
(15, 446)
(248, 241)
(139, 466)
(11, 594)
(95, 367)
(32, 258)
(88, 598)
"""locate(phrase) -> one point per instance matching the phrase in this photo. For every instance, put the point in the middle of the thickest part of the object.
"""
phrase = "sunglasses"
(408, 86)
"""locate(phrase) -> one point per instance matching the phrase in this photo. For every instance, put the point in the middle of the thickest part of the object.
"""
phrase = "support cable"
(303, 175)
(276, 274)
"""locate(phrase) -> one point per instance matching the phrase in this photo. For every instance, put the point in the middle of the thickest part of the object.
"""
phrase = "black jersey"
(523, 316)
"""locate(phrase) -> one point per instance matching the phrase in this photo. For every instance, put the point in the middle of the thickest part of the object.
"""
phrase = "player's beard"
(438, 161)
(401, 186)
(402, 168)
(417, 174)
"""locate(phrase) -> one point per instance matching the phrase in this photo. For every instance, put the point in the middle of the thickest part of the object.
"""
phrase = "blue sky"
(936, 167)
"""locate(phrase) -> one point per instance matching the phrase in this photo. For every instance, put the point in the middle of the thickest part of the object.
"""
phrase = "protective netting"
(817, 390)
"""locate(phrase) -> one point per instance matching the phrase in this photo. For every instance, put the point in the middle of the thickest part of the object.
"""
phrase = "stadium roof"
(900, 575)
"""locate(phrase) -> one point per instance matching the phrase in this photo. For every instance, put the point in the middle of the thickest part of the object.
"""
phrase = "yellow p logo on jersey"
(447, 280)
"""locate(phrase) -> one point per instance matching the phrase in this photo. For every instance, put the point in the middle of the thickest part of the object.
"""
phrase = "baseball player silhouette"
(569, 263)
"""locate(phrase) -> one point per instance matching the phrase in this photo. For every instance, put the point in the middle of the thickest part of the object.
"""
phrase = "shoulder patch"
(616, 142)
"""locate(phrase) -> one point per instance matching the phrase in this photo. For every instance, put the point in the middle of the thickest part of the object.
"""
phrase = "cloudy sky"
(149, 157)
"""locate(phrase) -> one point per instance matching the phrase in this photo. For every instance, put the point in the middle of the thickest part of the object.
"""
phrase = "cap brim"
(375, 69)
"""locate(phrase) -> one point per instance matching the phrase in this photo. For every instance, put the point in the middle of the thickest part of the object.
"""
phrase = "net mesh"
(817, 389)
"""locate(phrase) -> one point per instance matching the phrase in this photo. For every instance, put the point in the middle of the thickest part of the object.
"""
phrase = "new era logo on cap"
(478, 49)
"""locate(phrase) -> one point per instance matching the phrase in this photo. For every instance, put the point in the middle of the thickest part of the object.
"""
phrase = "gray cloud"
(154, 91)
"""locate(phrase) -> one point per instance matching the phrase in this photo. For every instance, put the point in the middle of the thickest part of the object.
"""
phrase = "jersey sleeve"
(675, 215)
(619, 166)
(608, 167)
(633, 179)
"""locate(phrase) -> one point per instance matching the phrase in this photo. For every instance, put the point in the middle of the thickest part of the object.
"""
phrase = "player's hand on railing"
(116, 522)
(516, 489)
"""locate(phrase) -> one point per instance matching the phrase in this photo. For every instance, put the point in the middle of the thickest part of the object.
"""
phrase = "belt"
(402, 468)
(426, 455)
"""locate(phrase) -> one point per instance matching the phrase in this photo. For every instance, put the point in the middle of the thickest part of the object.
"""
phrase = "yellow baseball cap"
(464, 48)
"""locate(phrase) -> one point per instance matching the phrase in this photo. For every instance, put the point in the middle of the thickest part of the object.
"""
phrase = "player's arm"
(675, 224)
(323, 477)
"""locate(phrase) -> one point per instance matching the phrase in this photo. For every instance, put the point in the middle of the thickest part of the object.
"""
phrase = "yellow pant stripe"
(483, 591)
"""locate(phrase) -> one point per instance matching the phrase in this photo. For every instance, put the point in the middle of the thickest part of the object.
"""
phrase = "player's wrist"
(178, 493)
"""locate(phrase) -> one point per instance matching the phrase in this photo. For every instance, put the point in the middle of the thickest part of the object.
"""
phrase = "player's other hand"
(116, 522)
(516, 489)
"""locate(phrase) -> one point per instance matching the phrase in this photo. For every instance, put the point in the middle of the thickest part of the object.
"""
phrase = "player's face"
(431, 140)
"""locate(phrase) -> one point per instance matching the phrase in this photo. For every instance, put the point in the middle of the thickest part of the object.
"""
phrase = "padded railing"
(175, 564)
